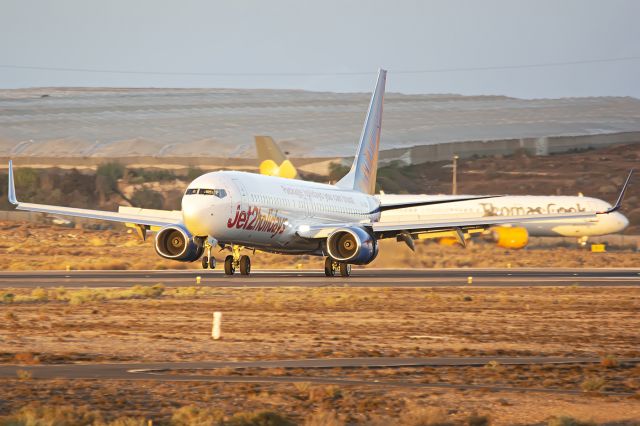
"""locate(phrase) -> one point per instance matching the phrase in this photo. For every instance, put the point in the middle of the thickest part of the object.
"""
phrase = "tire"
(212, 262)
(245, 265)
(345, 269)
(205, 262)
(328, 267)
(229, 268)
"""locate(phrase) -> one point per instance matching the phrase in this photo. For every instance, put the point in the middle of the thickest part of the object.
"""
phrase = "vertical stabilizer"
(273, 161)
(362, 176)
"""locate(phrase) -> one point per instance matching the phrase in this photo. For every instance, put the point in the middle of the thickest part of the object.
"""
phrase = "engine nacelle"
(507, 237)
(352, 245)
(176, 243)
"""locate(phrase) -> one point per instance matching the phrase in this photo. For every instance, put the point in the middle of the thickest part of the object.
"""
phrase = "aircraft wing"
(390, 229)
(141, 217)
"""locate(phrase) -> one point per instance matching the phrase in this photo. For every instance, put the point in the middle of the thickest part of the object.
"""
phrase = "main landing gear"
(208, 261)
(235, 261)
(331, 267)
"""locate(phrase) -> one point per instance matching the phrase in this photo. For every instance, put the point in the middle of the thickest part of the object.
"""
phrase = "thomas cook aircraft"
(239, 210)
(515, 235)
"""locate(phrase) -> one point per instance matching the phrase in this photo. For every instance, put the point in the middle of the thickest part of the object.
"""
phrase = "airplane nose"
(621, 221)
(195, 215)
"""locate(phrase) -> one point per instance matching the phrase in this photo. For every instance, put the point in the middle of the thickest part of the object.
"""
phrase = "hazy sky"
(266, 39)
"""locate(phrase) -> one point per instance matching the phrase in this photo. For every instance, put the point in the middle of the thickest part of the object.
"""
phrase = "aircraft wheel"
(245, 265)
(212, 262)
(205, 262)
(229, 267)
(329, 270)
(345, 269)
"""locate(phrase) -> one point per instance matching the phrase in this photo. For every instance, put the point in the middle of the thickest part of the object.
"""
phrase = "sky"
(485, 47)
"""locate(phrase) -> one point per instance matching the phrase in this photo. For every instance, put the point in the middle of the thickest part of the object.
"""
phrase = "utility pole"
(454, 186)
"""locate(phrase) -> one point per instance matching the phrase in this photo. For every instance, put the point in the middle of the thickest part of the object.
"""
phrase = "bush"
(592, 384)
(192, 415)
(568, 421)
(40, 295)
(33, 415)
(8, 297)
(27, 358)
(424, 416)
(111, 172)
(24, 374)
(147, 199)
(609, 361)
(193, 173)
(263, 418)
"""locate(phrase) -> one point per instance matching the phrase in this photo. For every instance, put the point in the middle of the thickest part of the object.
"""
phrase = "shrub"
(108, 174)
(424, 416)
(609, 361)
(323, 418)
(51, 415)
(263, 418)
(592, 384)
(27, 358)
(40, 295)
(192, 415)
(568, 421)
(24, 374)
(477, 420)
(147, 199)
(8, 297)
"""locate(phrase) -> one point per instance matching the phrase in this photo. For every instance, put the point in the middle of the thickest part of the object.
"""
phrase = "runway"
(180, 371)
(315, 278)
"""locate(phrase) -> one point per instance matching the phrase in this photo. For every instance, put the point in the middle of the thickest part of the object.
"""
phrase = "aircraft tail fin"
(273, 162)
(362, 176)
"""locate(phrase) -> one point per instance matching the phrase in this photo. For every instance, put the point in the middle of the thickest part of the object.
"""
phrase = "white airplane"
(239, 210)
(516, 235)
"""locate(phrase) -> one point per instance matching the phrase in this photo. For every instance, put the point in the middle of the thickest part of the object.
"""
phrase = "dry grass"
(331, 322)
(30, 246)
(85, 295)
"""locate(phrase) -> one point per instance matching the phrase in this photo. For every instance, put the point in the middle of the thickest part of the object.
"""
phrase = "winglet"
(618, 203)
(12, 186)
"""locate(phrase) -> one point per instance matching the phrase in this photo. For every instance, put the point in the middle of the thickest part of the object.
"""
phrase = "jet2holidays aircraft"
(239, 210)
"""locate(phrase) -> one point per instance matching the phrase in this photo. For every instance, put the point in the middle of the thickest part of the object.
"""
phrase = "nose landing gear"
(208, 261)
(236, 261)
(331, 267)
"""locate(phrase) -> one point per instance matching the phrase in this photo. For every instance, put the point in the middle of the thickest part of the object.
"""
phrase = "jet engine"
(352, 245)
(176, 243)
(513, 238)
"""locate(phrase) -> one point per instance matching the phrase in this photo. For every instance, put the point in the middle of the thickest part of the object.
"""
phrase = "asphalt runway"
(182, 371)
(315, 278)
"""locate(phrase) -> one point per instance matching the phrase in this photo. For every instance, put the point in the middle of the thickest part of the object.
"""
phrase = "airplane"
(516, 235)
(240, 210)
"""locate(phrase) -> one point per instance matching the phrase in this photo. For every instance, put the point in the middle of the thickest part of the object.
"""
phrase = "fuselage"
(516, 206)
(264, 211)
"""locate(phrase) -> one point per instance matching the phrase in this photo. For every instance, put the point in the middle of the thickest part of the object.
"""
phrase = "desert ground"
(162, 323)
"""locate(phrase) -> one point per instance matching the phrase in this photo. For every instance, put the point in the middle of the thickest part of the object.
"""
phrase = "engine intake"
(176, 243)
(352, 245)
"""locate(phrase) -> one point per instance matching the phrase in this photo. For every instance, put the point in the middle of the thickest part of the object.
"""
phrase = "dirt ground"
(174, 324)
(28, 246)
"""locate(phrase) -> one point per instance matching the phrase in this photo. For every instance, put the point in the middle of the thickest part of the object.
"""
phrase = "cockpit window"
(220, 193)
